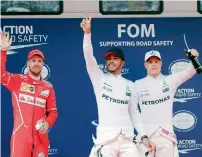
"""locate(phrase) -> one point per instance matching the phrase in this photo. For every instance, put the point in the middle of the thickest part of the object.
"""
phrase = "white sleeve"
(134, 112)
(91, 64)
(183, 76)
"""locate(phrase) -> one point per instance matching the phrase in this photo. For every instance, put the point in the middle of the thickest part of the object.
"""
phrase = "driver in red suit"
(34, 104)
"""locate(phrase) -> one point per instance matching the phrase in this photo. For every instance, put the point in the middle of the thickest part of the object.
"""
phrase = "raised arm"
(188, 73)
(92, 67)
(7, 79)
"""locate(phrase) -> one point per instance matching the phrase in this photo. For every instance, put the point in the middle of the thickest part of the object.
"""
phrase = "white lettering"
(149, 31)
(134, 30)
(137, 31)
(19, 29)
(120, 30)
(186, 90)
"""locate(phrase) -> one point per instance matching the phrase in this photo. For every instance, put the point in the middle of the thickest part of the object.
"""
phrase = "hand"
(5, 41)
(148, 144)
(86, 24)
(44, 128)
(194, 53)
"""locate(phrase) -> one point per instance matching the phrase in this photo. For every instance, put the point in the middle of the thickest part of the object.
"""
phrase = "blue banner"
(61, 41)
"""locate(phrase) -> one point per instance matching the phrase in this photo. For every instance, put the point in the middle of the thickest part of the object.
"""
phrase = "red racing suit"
(33, 101)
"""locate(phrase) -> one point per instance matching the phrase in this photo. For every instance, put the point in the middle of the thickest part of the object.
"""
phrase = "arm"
(183, 76)
(7, 79)
(51, 108)
(135, 112)
(91, 64)
(188, 73)
(93, 70)
(137, 119)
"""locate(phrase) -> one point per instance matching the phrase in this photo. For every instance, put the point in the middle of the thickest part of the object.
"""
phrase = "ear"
(161, 63)
(27, 63)
(145, 65)
(122, 63)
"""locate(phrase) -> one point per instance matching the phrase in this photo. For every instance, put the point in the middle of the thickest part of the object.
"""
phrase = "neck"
(115, 72)
(154, 75)
(35, 77)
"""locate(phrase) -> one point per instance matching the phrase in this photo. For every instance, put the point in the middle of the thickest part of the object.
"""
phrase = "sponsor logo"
(26, 99)
(118, 101)
(128, 94)
(135, 32)
(144, 95)
(41, 89)
(24, 86)
(40, 102)
(107, 89)
(178, 66)
(24, 34)
(152, 53)
(45, 73)
(30, 100)
(44, 93)
(185, 146)
(144, 92)
(165, 86)
(105, 70)
(27, 88)
(107, 84)
(128, 91)
(182, 95)
(154, 102)
(31, 89)
(167, 133)
(184, 121)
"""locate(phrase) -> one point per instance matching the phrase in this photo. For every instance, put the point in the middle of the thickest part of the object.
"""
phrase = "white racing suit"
(115, 131)
(155, 97)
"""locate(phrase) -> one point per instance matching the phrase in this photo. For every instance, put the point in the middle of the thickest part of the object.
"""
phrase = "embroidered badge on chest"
(27, 88)
(165, 86)
(128, 91)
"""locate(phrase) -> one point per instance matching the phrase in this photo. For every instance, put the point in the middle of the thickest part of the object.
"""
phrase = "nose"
(111, 60)
(36, 63)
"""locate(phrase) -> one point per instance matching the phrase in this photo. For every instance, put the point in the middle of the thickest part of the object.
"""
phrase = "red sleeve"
(7, 79)
(52, 112)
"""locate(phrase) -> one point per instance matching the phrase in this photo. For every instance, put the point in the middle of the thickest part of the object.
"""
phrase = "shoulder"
(127, 81)
(21, 76)
(47, 83)
(167, 77)
(140, 81)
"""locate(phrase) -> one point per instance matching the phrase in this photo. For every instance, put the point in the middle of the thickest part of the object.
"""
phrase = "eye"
(157, 61)
(108, 58)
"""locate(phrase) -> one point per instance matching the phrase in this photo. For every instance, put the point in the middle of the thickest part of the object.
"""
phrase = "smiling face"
(114, 64)
(35, 65)
(153, 66)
